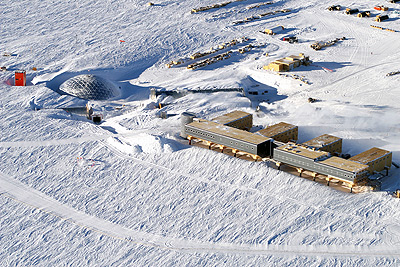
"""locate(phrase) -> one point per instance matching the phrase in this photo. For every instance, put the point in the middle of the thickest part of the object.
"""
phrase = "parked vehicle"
(290, 39)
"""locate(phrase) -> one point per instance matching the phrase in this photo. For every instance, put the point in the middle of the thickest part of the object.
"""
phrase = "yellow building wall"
(335, 147)
(380, 164)
(286, 136)
(274, 66)
(244, 124)
(296, 62)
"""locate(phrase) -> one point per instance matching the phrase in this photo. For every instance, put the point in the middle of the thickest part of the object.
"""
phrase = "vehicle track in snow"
(102, 140)
(342, 79)
(358, 57)
(34, 199)
(227, 185)
(67, 141)
(13, 189)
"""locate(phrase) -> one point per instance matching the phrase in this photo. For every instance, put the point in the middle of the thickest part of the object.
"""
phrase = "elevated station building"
(298, 156)
(376, 158)
(320, 162)
(229, 137)
(347, 171)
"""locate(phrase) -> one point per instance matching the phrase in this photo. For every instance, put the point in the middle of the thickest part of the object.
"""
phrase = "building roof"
(91, 87)
(227, 131)
(278, 27)
(321, 141)
(231, 116)
(276, 129)
(370, 155)
(284, 61)
(303, 151)
(345, 164)
(293, 57)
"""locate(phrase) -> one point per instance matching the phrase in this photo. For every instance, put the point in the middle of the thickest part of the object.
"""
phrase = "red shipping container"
(20, 78)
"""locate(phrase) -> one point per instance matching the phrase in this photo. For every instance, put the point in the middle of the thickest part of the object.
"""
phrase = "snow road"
(19, 192)
(157, 201)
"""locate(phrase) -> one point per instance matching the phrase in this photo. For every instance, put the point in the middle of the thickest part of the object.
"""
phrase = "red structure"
(20, 78)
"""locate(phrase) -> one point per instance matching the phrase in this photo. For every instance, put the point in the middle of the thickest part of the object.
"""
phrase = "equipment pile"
(320, 45)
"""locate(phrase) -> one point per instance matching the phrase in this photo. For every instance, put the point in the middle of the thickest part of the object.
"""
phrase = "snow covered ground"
(131, 192)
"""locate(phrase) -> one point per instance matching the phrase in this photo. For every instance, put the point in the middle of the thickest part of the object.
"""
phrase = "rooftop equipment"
(326, 142)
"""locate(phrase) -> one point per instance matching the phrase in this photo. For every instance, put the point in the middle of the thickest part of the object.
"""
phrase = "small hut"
(334, 8)
(20, 78)
(381, 18)
(274, 30)
(381, 8)
(350, 11)
(363, 14)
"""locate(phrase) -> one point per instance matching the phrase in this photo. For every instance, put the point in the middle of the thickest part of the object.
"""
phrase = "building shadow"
(258, 92)
(327, 66)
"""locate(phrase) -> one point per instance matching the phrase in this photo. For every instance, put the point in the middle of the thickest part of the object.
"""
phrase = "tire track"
(101, 139)
(16, 191)
(255, 191)
(30, 197)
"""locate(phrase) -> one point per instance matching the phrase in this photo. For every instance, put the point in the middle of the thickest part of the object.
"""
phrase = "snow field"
(151, 199)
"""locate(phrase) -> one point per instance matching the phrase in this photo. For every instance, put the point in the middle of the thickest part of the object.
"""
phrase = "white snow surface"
(131, 192)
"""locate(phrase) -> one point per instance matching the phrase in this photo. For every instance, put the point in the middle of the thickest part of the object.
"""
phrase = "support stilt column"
(278, 164)
(234, 152)
(209, 144)
(314, 174)
(190, 139)
(300, 171)
(255, 157)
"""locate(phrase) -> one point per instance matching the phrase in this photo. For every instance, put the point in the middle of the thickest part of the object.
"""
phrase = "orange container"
(20, 78)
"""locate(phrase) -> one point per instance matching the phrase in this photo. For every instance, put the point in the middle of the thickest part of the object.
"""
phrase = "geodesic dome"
(91, 87)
